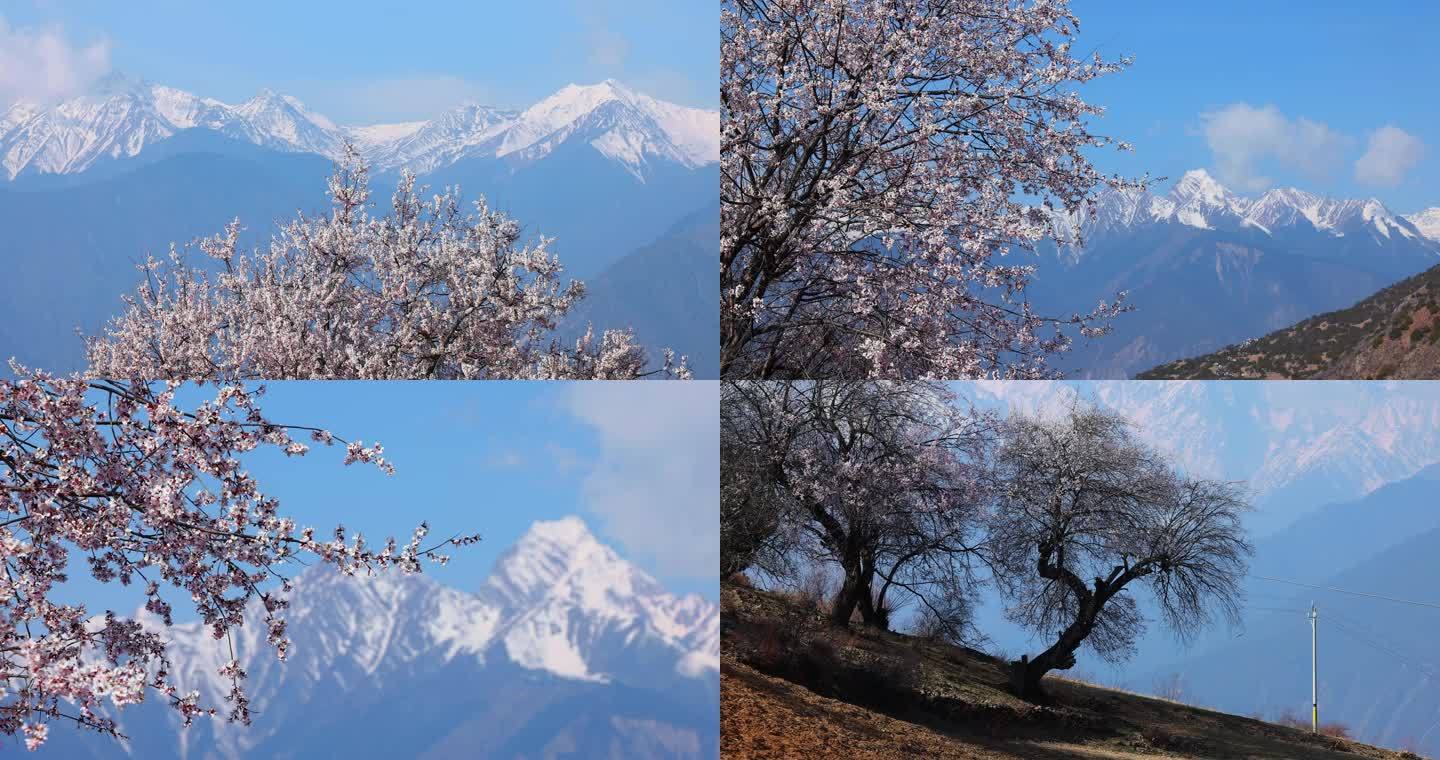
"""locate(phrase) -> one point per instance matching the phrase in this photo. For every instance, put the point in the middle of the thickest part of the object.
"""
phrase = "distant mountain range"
(98, 181)
(120, 117)
(566, 648)
(1378, 674)
(1296, 449)
(668, 291)
(1206, 267)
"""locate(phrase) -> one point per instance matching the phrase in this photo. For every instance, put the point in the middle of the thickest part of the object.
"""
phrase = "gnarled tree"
(1086, 512)
(427, 291)
(879, 160)
(883, 481)
(115, 478)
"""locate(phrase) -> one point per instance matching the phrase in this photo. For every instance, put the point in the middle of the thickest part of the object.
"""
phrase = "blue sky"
(367, 62)
(637, 460)
(1349, 69)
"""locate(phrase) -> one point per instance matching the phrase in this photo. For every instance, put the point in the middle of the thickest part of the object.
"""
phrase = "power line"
(1431, 605)
(1428, 667)
(1296, 611)
(1380, 641)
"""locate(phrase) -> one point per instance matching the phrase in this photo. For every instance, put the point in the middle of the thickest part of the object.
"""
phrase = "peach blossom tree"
(881, 162)
(429, 290)
(117, 481)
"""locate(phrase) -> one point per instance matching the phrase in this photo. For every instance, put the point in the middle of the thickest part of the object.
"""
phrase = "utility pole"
(1314, 692)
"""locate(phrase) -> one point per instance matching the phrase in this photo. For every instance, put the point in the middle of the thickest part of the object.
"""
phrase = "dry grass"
(794, 687)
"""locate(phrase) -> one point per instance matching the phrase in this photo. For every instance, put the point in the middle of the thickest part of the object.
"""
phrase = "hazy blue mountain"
(1296, 447)
(101, 180)
(566, 650)
(1378, 671)
(70, 252)
(668, 291)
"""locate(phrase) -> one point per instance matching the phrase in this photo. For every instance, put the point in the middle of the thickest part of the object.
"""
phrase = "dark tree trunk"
(1060, 656)
(1089, 602)
(851, 592)
(869, 612)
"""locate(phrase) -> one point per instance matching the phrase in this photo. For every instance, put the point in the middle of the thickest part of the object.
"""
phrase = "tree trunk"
(869, 612)
(1060, 655)
(851, 592)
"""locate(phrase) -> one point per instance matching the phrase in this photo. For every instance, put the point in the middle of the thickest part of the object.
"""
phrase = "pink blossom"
(146, 493)
(880, 162)
(428, 291)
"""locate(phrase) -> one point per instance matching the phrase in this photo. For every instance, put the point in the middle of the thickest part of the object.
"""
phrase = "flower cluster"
(427, 291)
(878, 163)
(115, 477)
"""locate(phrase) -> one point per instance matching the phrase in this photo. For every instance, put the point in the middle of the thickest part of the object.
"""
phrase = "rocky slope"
(1391, 334)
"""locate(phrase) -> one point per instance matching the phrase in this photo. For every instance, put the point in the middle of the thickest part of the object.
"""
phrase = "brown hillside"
(792, 687)
(1394, 333)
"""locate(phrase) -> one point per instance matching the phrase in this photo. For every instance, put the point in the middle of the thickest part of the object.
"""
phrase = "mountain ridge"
(1205, 268)
(1391, 334)
(119, 117)
(1198, 200)
(564, 641)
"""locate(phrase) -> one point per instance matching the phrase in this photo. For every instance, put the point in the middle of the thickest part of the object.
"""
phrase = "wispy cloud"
(42, 66)
(1242, 138)
(565, 459)
(656, 483)
(505, 459)
(1389, 155)
(608, 48)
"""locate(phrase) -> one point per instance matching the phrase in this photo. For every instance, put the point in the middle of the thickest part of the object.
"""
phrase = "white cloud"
(1390, 153)
(507, 459)
(565, 459)
(608, 48)
(41, 66)
(656, 483)
(1242, 137)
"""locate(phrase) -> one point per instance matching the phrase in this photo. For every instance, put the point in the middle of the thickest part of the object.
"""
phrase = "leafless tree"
(883, 480)
(1085, 509)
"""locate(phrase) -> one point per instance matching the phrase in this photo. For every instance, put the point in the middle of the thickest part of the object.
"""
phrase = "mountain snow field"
(120, 117)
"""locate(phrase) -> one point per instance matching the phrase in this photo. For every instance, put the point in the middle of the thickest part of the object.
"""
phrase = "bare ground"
(794, 687)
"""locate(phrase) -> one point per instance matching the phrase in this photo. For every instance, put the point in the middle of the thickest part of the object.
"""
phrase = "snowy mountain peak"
(585, 614)
(1197, 184)
(1427, 222)
(569, 530)
(1199, 200)
(569, 602)
(562, 558)
(122, 115)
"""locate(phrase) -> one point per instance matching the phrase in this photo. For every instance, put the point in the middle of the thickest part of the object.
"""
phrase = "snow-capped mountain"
(99, 181)
(558, 602)
(562, 618)
(1198, 200)
(569, 605)
(1296, 448)
(1205, 267)
(121, 117)
(1428, 222)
